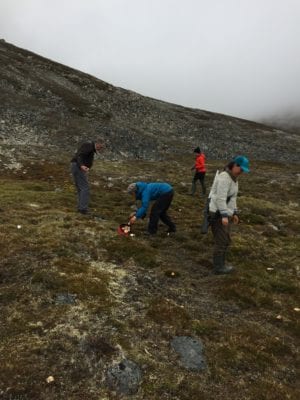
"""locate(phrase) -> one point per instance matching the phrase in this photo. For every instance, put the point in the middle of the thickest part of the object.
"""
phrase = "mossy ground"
(127, 301)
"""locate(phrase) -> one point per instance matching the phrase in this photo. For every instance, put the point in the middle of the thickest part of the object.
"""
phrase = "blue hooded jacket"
(147, 192)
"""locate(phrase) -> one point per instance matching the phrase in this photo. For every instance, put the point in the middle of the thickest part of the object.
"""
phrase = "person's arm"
(142, 211)
(132, 218)
(221, 195)
(233, 206)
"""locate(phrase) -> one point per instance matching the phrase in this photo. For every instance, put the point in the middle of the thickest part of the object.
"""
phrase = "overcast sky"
(237, 57)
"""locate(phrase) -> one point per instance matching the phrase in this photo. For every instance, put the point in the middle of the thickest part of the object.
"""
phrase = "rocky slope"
(48, 108)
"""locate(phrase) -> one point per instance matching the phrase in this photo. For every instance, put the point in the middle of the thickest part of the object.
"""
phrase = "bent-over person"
(162, 194)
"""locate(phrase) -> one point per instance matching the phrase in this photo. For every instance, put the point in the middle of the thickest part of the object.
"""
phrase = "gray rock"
(65, 298)
(124, 378)
(190, 352)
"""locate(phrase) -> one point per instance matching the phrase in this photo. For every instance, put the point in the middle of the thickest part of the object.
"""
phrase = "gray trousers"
(82, 187)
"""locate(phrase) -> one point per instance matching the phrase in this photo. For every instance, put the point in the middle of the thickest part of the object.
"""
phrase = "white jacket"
(223, 195)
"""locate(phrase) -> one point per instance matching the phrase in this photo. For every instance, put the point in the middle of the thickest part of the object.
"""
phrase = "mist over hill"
(289, 122)
(48, 108)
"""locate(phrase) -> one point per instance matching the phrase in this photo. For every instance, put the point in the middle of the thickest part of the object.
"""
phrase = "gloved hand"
(235, 219)
(225, 221)
(132, 219)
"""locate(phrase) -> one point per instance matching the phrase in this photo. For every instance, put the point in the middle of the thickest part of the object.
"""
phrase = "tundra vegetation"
(75, 297)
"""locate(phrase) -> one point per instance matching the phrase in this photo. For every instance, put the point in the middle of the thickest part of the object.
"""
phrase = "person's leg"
(195, 178)
(222, 240)
(84, 196)
(154, 218)
(167, 221)
(202, 182)
(159, 210)
(82, 186)
(165, 203)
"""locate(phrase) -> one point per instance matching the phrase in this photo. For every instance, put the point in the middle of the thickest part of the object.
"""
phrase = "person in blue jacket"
(163, 194)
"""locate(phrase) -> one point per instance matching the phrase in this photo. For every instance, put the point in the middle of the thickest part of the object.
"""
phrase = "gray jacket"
(223, 195)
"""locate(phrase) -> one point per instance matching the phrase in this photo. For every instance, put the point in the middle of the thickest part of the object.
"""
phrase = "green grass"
(134, 294)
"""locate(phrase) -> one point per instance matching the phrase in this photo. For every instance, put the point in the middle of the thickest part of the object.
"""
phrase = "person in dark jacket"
(200, 171)
(162, 194)
(81, 163)
(223, 209)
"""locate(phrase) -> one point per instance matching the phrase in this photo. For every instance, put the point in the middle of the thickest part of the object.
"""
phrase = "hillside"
(86, 314)
(48, 108)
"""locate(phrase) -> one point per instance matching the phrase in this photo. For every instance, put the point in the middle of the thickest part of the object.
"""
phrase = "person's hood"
(141, 186)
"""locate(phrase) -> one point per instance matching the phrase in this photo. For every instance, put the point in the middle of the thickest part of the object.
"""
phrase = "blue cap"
(243, 162)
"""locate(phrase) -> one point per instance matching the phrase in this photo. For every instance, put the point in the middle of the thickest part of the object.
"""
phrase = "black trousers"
(201, 177)
(159, 211)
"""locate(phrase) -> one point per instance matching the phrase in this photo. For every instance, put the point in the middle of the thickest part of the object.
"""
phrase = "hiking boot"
(171, 230)
(219, 265)
(224, 270)
(149, 234)
(84, 212)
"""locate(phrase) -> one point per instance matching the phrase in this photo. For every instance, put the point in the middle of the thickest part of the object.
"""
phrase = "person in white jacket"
(223, 210)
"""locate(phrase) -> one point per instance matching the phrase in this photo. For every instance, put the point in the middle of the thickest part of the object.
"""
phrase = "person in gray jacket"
(81, 163)
(223, 210)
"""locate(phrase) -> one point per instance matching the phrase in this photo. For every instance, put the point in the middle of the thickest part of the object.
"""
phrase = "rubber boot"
(219, 265)
(228, 267)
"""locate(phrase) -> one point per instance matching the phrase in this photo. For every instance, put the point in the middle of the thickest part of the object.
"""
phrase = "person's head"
(197, 150)
(132, 189)
(238, 165)
(98, 145)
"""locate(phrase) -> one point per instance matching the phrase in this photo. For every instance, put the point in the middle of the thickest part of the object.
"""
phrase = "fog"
(237, 57)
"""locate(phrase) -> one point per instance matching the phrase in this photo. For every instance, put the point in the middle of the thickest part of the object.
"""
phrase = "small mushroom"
(50, 379)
